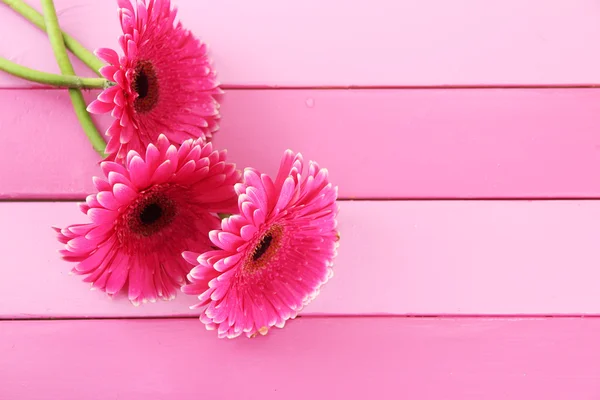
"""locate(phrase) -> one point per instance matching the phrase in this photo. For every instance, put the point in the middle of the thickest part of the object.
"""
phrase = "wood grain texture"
(376, 143)
(402, 257)
(375, 42)
(324, 358)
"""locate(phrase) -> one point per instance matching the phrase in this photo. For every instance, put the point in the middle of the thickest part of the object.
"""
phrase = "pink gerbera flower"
(273, 256)
(146, 213)
(164, 81)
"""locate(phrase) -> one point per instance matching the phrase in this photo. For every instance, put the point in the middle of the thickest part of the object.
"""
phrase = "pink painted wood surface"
(428, 143)
(401, 257)
(365, 43)
(312, 358)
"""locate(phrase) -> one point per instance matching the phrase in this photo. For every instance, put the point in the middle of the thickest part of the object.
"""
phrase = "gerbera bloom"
(273, 256)
(146, 213)
(164, 81)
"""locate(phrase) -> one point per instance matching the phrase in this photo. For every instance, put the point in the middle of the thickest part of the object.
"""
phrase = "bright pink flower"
(164, 81)
(146, 213)
(273, 256)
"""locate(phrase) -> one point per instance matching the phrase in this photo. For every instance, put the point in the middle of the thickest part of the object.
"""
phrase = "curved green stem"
(66, 81)
(60, 53)
(73, 45)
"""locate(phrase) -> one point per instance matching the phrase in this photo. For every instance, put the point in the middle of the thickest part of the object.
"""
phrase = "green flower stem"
(60, 53)
(52, 79)
(73, 45)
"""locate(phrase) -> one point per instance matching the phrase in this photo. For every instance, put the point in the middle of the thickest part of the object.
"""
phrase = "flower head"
(146, 213)
(164, 81)
(273, 256)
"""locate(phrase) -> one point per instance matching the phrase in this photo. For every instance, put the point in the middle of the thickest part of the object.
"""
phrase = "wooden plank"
(366, 43)
(403, 258)
(45, 153)
(376, 143)
(429, 359)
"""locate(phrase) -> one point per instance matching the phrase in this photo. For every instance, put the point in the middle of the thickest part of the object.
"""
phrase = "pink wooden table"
(465, 140)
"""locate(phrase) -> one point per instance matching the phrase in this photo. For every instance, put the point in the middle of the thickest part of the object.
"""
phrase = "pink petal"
(123, 193)
(152, 156)
(126, 5)
(110, 166)
(99, 232)
(119, 274)
(140, 175)
(109, 71)
(184, 172)
(128, 130)
(184, 150)
(108, 55)
(172, 155)
(119, 99)
(83, 207)
(119, 77)
(163, 173)
(94, 261)
(232, 260)
(131, 49)
(142, 12)
(258, 197)
(130, 155)
(247, 209)
(247, 232)
(259, 217)
(99, 107)
(100, 184)
(117, 113)
(80, 229)
(191, 257)
(108, 200)
(92, 201)
(137, 281)
(284, 169)
(114, 178)
(114, 130)
(225, 240)
(162, 143)
(108, 95)
(80, 244)
(113, 145)
(287, 192)
(102, 216)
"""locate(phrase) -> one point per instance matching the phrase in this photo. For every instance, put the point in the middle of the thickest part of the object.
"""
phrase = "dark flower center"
(262, 247)
(145, 84)
(264, 250)
(141, 85)
(151, 212)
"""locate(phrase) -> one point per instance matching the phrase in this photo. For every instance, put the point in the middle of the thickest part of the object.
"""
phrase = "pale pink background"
(467, 154)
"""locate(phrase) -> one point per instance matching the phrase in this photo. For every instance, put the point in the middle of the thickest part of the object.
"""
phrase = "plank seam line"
(347, 199)
(357, 88)
(327, 316)
(409, 87)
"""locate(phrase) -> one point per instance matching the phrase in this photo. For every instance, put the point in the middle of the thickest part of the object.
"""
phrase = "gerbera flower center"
(264, 250)
(150, 213)
(145, 84)
(262, 247)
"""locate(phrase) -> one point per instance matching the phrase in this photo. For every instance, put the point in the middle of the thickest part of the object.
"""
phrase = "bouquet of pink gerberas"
(170, 212)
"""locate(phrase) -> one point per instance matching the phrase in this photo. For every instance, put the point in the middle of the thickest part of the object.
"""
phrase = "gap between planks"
(327, 316)
(343, 199)
(361, 87)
